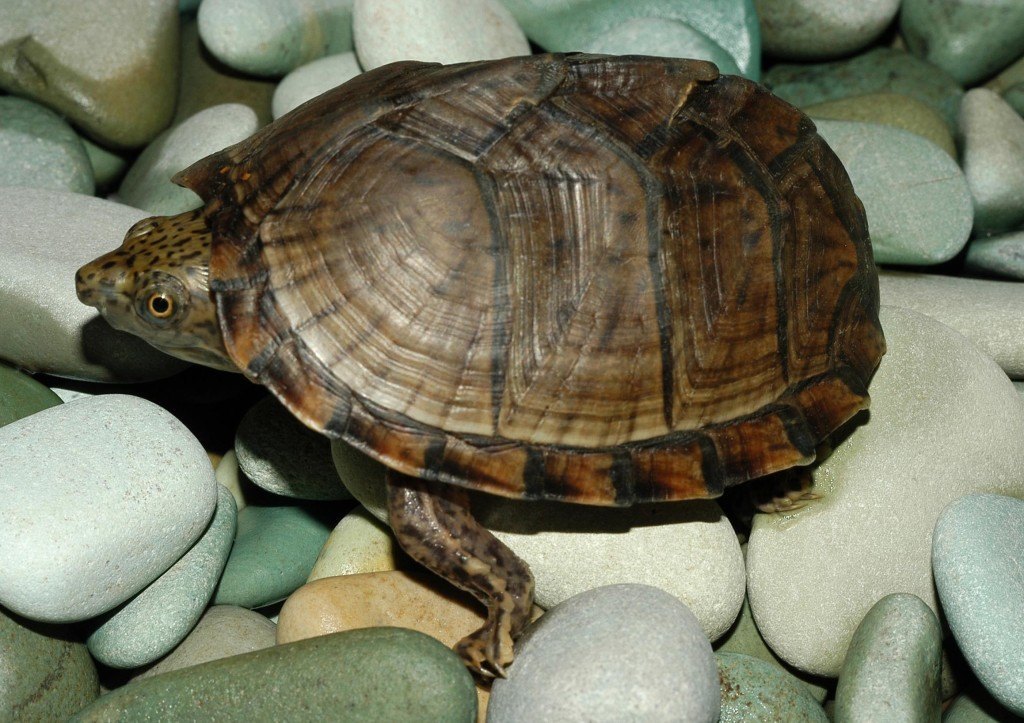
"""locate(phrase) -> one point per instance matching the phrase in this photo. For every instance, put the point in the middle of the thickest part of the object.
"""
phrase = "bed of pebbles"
(173, 545)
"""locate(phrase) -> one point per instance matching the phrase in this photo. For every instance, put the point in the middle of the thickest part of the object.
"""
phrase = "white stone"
(687, 548)
(819, 29)
(45, 237)
(661, 37)
(993, 159)
(989, 313)
(945, 421)
(440, 31)
(147, 185)
(99, 497)
(616, 653)
(359, 543)
(310, 80)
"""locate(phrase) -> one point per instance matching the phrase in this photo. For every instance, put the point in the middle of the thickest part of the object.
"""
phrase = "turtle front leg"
(433, 524)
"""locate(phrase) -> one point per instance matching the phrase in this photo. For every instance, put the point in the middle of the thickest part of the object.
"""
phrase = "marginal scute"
(596, 279)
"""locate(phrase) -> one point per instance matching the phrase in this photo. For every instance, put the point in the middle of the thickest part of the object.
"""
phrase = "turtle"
(602, 280)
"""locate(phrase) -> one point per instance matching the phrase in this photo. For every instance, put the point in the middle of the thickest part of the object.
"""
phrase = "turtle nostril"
(86, 294)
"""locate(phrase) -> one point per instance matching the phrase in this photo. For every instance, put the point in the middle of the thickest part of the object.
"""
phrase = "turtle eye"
(160, 305)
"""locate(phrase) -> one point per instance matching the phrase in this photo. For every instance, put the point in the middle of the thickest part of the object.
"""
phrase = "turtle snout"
(86, 291)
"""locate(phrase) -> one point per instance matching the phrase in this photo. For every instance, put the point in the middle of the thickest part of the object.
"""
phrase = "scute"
(604, 280)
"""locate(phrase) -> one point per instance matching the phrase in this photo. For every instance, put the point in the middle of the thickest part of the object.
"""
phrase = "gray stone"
(661, 37)
(440, 31)
(621, 652)
(110, 71)
(148, 183)
(976, 553)
(310, 80)
(271, 37)
(976, 707)
(891, 671)
(993, 160)
(158, 618)
(38, 149)
(917, 201)
(690, 550)
(969, 39)
(756, 690)
(222, 631)
(45, 236)
(944, 421)
(150, 492)
(281, 455)
(821, 29)
(107, 166)
(989, 313)
(1001, 256)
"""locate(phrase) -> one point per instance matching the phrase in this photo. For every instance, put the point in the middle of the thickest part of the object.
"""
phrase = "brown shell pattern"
(603, 280)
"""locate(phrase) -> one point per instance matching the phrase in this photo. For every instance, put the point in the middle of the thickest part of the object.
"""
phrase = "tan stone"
(359, 544)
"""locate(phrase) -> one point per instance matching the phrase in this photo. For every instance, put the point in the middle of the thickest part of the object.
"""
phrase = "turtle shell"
(597, 279)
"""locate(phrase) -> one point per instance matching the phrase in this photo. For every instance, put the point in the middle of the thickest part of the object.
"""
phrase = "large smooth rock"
(21, 395)
(916, 198)
(892, 669)
(310, 80)
(821, 29)
(989, 313)
(687, 548)
(944, 421)
(976, 554)
(99, 497)
(46, 676)
(661, 37)
(159, 617)
(993, 160)
(621, 652)
(756, 690)
(273, 37)
(44, 238)
(110, 68)
(148, 183)
(38, 149)
(569, 25)
(377, 674)
(969, 39)
(440, 31)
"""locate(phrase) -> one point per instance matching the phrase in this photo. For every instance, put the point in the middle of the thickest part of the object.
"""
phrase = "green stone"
(744, 638)
(44, 674)
(892, 109)
(663, 38)
(21, 395)
(892, 667)
(882, 70)
(373, 674)
(976, 706)
(274, 551)
(566, 25)
(38, 149)
(756, 690)
(107, 166)
(1000, 256)
(969, 39)
(206, 82)
(111, 71)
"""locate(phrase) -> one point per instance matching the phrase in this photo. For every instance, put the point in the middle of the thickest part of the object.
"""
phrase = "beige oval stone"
(358, 544)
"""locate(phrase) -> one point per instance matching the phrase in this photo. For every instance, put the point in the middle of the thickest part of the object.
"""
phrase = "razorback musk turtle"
(596, 279)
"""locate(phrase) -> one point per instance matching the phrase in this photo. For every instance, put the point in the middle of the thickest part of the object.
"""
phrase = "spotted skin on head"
(156, 286)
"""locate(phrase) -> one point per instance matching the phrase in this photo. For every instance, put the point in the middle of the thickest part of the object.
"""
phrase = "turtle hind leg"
(433, 524)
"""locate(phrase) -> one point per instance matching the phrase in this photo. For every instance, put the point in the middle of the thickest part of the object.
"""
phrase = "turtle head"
(156, 286)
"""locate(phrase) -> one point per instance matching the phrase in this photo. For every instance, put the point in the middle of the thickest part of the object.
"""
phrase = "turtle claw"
(484, 653)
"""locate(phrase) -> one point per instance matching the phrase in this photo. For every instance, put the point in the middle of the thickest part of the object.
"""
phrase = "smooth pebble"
(281, 455)
(944, 421)
(989, 313)
(756, 690)
(359, 543)
(664, 38)
(821, 29)
(689, 549)
(619, 652)
(440, 31)
(148, 185)
(993, 160)
(153, 622)
(310, 80)
(891, 670)
(916, 198)
(377, 674)
(107, 166)
(222, 631)
(44, 326)
(40, 150)
(999, 256)
(150, 492)
(21, 395)
(976, 553)
(273, 37)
